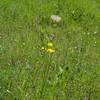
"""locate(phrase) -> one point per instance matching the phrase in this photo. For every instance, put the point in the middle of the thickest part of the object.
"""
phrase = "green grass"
(72, 72)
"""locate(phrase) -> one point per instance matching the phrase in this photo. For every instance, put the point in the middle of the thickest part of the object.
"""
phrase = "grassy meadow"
(29, 70)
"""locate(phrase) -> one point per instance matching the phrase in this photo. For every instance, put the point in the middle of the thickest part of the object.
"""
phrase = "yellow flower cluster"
(50, 44)
(49, 49)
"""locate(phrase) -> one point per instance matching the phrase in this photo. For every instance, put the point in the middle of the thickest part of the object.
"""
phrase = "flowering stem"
(45, 76)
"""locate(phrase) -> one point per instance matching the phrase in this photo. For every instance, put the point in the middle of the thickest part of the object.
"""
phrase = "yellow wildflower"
(50, 44)
(49, 50)
(42, 48)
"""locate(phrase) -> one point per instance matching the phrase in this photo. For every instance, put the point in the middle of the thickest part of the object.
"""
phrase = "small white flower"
(55, 18)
